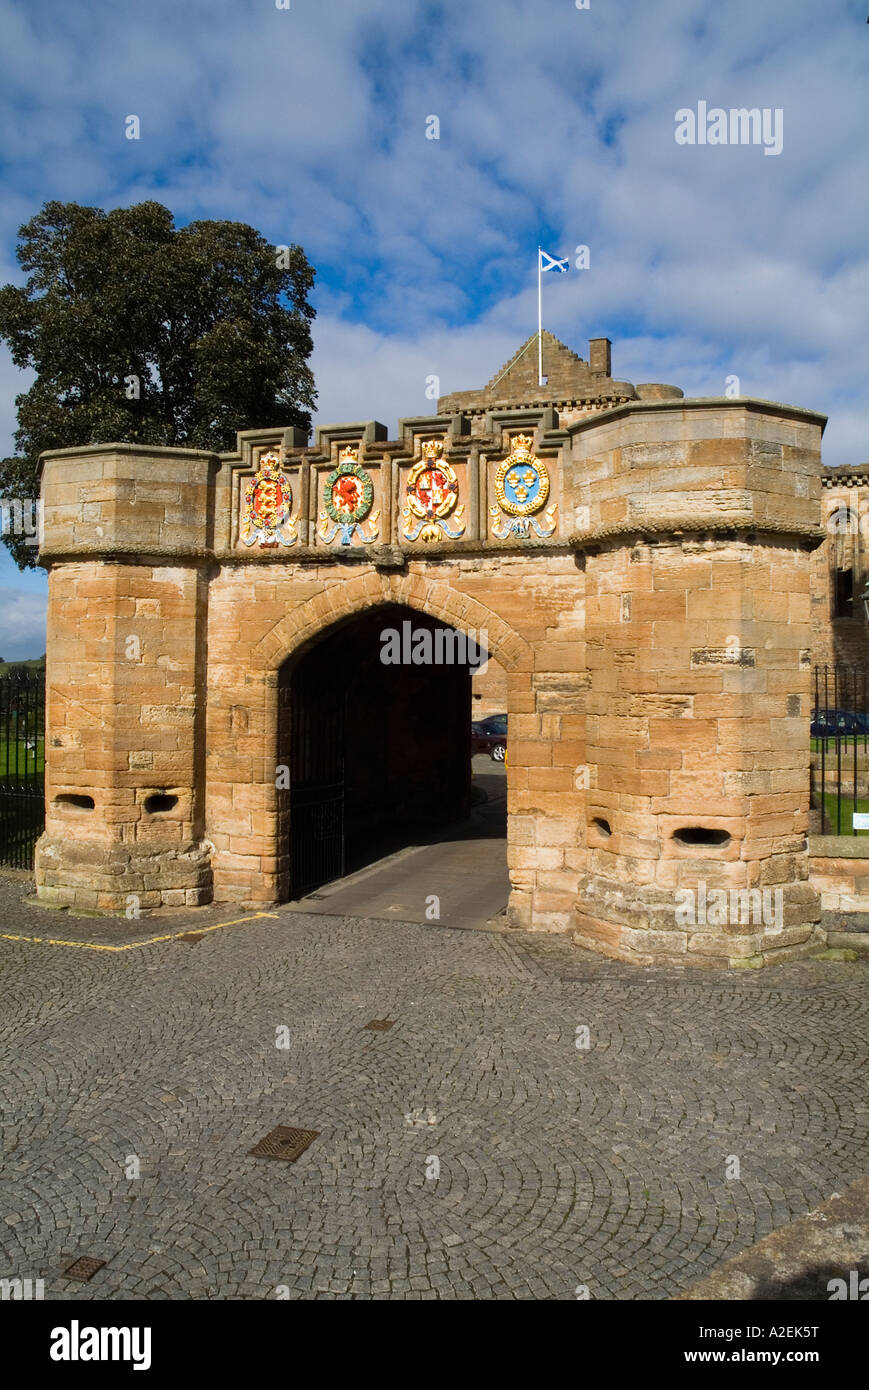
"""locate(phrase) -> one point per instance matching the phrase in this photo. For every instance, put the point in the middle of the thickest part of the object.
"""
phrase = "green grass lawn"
(848, 807)
(829, 745)
(36, 663)
(15, 760)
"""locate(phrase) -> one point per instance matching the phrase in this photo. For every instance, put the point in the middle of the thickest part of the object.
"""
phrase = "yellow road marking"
(133, 945)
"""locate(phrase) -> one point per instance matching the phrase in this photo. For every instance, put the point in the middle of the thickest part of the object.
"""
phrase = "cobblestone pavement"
(559, 1166)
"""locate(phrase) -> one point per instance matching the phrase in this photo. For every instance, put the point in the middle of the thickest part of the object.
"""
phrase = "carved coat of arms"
(522, 487)
(348, 494)
(267, 506)
(432, 494)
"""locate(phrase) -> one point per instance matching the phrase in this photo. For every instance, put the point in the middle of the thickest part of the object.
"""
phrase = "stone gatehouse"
(638, 562)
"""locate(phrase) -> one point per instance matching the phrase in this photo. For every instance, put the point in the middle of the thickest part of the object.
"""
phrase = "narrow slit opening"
(701, 835)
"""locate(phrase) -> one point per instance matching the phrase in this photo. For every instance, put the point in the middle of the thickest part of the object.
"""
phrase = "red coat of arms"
(348, 494)
(268, 502)
(432, 493)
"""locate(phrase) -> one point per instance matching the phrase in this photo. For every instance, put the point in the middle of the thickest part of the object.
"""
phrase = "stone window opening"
(843, 593)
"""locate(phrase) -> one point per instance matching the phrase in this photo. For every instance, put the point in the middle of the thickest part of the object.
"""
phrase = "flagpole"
(539, 321)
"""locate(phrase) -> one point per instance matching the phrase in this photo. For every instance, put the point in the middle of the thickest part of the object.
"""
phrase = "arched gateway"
(638, 564)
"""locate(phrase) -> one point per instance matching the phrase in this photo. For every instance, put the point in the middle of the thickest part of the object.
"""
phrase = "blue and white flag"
(551, 262)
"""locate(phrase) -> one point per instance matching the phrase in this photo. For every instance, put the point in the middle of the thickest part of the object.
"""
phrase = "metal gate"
(840, 751)
(316, 716)
(22, 764)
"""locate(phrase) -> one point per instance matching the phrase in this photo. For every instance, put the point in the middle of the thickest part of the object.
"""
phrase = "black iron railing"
(22, 764)
(840, 750)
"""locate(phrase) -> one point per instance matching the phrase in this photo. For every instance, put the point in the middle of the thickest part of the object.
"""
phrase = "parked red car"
(490, 736)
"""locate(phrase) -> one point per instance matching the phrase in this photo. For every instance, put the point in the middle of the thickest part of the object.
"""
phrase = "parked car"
(838, 723)
(490, 736)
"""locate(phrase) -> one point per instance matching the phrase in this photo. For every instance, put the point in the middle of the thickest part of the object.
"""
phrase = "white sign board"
(860, 820)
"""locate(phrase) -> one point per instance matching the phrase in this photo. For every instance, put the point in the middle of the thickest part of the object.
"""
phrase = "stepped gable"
(573, 385)
(564, 367)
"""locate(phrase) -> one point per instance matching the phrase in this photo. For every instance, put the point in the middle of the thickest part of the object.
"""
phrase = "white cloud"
(12, 383)
(22, 624)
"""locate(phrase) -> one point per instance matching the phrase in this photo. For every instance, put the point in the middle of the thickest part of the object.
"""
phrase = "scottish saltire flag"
(551, 262)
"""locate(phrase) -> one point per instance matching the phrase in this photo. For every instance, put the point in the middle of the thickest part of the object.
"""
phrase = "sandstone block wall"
(839, 868)
(698, 643)
(489, 691)
(125, 678)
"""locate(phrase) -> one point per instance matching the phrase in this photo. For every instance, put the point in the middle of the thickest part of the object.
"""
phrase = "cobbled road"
(559, 1166)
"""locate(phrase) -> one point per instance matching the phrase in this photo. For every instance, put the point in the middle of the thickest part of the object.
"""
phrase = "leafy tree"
(143, 332)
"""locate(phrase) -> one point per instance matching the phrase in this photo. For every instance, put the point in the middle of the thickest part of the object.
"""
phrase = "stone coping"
(98, 550)
(384, 555)
(756, 403)
(838, 847)
(709, 521)
(111, 447)
(468, 546)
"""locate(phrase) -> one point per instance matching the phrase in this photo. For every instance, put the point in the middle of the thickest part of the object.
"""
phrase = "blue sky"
(556, 125)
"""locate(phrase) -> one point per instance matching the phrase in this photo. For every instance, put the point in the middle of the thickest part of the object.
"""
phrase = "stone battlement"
(573, 386)
(642, 466)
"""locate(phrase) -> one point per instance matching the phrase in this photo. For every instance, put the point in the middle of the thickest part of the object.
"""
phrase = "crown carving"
(269, 464)
(522, 442)
(350, 454)
(432, 448)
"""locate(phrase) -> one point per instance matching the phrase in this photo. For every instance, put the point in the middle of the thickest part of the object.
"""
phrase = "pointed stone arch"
(434, 597)
(313, 620)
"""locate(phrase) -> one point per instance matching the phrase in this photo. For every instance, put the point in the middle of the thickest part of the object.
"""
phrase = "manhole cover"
(84, 1268)
(380, 1025)
(192, 936)
(284, 1142)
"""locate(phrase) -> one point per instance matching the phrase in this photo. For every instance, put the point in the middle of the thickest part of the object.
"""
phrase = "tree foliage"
(211, 321)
